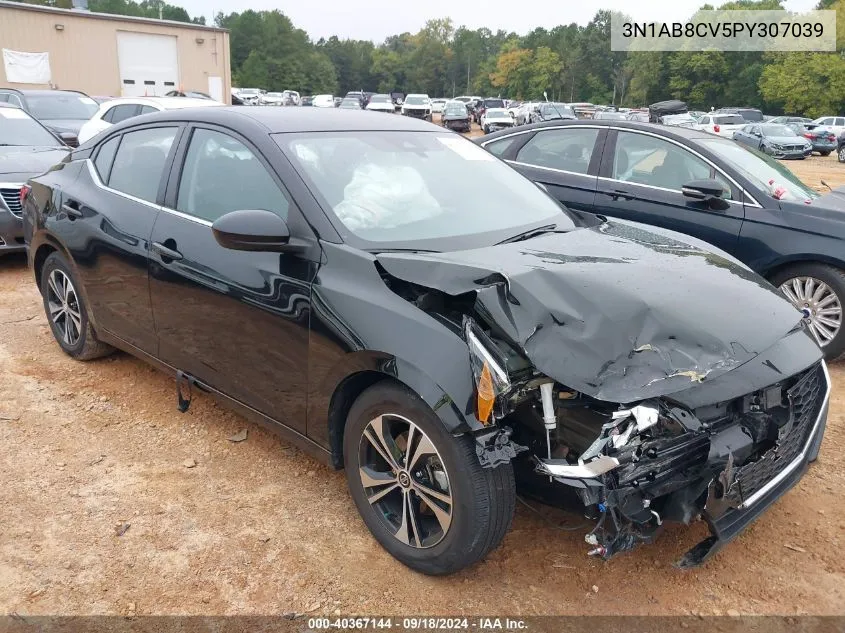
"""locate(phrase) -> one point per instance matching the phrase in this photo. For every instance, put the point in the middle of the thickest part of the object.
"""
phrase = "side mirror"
(69, 138)
(707, 190)
(253, 230)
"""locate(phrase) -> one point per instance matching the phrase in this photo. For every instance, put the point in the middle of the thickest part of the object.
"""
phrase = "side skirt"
(296, 438)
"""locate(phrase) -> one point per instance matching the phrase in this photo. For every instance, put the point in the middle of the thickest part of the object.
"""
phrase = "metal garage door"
(148, 63)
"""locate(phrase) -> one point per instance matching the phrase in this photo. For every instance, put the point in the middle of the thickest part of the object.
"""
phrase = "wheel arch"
(801, 258)
(379, 368)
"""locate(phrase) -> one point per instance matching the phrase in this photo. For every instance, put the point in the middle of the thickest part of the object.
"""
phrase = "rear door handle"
(71, 208)
(166, 253)
(621, 193)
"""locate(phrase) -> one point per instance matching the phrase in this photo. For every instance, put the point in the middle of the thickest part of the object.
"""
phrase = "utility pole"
(469, 62)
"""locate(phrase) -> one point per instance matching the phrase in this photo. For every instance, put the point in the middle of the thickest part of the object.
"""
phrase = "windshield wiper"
(527, 235)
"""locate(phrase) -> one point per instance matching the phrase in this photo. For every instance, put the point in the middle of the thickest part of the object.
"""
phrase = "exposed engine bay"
(631, 466)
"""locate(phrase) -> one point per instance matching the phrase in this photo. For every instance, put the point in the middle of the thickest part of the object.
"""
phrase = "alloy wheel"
(64, 307)
(842, 155)
(405, 480)
(818, 303)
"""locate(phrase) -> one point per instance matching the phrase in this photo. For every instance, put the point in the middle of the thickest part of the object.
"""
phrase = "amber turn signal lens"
(486, 395)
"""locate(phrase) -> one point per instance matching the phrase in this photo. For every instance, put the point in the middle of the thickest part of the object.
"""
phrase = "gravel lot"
(114, 502)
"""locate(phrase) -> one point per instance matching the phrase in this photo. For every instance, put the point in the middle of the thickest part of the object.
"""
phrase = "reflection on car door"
(113, 206)
(235, 320)
(565, 160)
(641, 178)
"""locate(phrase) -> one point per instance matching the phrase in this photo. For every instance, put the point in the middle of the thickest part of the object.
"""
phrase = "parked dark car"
(821, 139)
(709, 187)
(27, 149)
(548, 111)
(751, 115)
(362, 285)
(456, 116)
(63, 111)
(778, 141)
(306, 101)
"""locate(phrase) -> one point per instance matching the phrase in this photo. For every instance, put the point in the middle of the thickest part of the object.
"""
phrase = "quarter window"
(567, 149)
(499, 148)
(105, 156)
(140, 160)
(221, 175)
(648, 160)
(121, 112)
(147, 110)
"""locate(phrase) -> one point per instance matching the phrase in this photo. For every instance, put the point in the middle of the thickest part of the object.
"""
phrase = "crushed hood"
(617, 311)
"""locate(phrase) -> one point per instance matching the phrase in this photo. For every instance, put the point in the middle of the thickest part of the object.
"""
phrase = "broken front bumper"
(758, 485)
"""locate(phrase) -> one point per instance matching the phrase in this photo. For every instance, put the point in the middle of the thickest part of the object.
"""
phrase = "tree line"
(569, 62)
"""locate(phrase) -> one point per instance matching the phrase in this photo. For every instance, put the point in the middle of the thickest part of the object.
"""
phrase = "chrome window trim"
(802, 456)
(753, 202)
(95, 177)
(554, 169)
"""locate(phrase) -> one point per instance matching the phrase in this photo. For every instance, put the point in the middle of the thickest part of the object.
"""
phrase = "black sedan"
(709, 187)
(362, 285)
(779, 141)
(27, 149)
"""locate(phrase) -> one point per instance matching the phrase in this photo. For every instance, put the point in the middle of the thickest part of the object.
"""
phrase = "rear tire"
(67, 313)
(834, 279)
(840, 154)
(481, 500)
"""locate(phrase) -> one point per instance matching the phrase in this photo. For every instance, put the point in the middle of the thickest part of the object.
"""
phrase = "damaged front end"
(635, 466)
(649, 412)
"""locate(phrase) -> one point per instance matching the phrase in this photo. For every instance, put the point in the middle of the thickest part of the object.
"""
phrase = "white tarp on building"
(26, 68)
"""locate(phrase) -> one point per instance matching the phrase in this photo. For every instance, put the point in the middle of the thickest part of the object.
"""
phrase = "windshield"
(250, 91)
(751, 115)
(351, 103)
(457, 109)
(416, 101)
(765, 172)
(61, 106)
(412, 187)
(18, 128)
(494, 103)
(497, 114)
(380, 99)
(556, 110)
(777, 130)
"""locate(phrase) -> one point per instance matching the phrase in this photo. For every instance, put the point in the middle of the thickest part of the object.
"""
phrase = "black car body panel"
(610, 319)
(761, 231)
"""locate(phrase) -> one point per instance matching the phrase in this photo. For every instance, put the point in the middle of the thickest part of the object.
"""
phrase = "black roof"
(275, 120)
(668, 131)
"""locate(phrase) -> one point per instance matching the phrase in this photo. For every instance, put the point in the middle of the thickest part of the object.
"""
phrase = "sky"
(376, 19)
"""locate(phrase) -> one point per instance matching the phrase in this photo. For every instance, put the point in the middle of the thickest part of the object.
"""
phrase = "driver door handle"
(71, 208)
(166, 253)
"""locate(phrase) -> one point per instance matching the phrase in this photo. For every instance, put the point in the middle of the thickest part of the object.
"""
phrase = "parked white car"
(721, 124)
(251, 96)
(495, 119)
(438, 105)
(117, 110)
(381, 103)
(272, 98)
(418, 106)
(293, 97)
(835, 124)
(323, 101)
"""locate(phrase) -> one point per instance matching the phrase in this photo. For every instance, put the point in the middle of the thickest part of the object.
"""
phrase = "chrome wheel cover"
(819, 304)
(63, 307)
(405, 480)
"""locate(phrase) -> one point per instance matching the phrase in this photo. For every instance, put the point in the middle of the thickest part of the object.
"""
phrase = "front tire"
(67, 313)
(841, 154)
(818, 291)
(421, 491)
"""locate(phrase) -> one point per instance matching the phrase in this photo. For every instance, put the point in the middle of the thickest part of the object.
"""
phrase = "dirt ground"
(112, 502)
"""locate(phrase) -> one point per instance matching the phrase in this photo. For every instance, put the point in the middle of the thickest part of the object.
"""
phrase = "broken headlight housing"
(489, 371)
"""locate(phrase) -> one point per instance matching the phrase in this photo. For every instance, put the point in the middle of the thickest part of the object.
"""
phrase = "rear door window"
(121, 112)
(565, 149)
(139, 162)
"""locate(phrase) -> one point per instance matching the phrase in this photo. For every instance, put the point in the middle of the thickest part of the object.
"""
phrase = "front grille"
(12, 198)
(806, 398)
